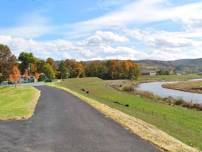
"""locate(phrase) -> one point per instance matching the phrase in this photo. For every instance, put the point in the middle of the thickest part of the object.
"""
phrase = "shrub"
(128, 88)
(145, 94)
(42, 77)
(197, 106)
(192, 105)
(179, 102)
(48, 80)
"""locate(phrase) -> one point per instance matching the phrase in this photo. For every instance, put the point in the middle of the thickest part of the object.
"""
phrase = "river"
(157, 89)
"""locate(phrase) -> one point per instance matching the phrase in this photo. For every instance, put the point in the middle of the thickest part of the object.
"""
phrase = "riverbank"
(187, 86)
(168, 78)
(174, 120)
(155, 92)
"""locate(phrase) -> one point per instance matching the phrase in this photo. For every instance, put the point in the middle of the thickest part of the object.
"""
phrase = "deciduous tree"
(77, 69)
(26, 60)
(14, 75)
(63, 70)
(52, 63)
(49, 72)
(7, 61)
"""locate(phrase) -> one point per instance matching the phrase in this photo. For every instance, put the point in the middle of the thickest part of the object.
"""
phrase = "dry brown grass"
(188, 86)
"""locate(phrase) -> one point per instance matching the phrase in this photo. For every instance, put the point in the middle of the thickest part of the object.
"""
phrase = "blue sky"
(103, 29)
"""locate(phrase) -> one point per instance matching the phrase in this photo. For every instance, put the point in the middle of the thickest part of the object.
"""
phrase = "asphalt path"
(64, 123)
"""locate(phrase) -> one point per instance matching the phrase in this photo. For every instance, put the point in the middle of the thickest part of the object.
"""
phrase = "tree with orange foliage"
(52, 63)
(122, 69)
(114, 69)
(77, 69)
(14, 75)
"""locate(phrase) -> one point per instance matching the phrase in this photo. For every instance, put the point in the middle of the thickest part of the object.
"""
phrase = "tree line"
(27, 65)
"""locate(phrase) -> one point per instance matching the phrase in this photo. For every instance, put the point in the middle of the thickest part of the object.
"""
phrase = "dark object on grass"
(87, 92)
(117, 102)
(179, 102)
(83, 90)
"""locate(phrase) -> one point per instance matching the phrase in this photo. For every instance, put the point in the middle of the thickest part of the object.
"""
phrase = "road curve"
(63, 123)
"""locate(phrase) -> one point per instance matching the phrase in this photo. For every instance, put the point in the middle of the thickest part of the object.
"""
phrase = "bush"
(42, 77)
(179, 102)
(192, 105)
(145, 94)
(128, 88)
(197, 106)
(48, 80)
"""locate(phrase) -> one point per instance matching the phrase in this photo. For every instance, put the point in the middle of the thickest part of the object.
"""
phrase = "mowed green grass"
(182, 123)
(16, 103)
(169, 77)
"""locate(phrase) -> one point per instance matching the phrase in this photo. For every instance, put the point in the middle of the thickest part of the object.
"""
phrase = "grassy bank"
(17, 103)
(169, 77)
(182, 123)
(189, 86)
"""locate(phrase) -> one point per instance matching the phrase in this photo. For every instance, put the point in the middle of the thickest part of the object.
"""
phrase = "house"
(148, 73)
(29, 79)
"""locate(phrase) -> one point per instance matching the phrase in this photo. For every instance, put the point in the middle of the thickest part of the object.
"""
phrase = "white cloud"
(103, 37)
(169, 45)
(164, 39)
(82, 50)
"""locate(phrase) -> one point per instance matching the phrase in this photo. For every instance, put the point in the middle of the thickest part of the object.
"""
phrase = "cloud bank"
(125, 32)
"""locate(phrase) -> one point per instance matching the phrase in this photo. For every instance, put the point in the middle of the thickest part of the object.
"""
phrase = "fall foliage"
(77, 69)
(30, 67)
(7, 61)
(14, 75)
(113, 69)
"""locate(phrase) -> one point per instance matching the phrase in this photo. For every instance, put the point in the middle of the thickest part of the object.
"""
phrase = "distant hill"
(183, 65)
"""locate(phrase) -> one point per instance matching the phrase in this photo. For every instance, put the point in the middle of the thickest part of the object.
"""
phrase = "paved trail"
(63, 123)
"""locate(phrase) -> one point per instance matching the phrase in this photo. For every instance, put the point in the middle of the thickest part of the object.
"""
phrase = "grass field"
(17, 103)
(169, 77)
(182, 123)
(190, 86)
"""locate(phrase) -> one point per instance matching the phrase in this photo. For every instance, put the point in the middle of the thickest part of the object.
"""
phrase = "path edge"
(137, 126)
(33, 104)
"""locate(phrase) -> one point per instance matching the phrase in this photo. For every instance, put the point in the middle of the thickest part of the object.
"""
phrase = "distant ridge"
(182, 65)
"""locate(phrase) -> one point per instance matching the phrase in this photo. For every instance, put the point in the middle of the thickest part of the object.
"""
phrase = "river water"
(157, 89)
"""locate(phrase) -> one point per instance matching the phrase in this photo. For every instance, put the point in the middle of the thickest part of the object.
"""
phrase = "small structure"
(148, 73)
(29, 79)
